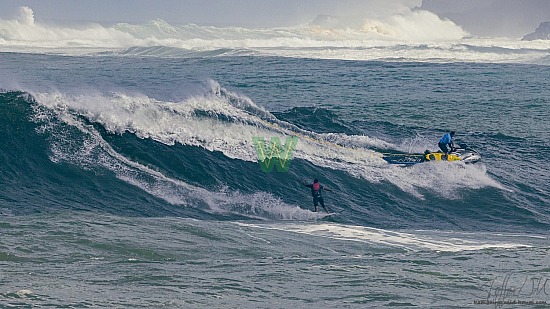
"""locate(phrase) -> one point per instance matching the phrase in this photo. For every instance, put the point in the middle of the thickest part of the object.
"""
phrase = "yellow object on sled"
(440, 156)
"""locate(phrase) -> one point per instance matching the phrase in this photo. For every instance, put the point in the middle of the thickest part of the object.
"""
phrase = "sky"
(479, 17)
(512, 18)
(212, 12)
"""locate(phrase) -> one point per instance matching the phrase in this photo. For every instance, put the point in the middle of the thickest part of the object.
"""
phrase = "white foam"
(24, 33)
(441, 178)
(24, 293)
(26, 16)
(407, 241)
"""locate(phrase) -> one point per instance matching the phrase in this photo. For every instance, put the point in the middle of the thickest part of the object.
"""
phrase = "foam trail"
(381, 237)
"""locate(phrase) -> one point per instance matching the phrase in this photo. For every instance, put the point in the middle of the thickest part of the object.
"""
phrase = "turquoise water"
(132, 181)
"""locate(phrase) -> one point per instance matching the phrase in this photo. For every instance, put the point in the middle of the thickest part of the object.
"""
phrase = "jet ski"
(462, 153)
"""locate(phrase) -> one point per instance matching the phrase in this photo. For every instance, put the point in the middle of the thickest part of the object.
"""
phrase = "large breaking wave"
(226, 122)
(131, 153)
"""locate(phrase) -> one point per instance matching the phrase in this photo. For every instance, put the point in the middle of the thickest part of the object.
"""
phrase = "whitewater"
(409, 36)
(130, 178)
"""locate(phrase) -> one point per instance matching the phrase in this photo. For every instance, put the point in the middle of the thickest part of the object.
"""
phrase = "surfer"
(317, 193)
(447, 140)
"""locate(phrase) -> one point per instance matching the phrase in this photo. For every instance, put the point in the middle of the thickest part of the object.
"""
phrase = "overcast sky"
(485, 17)
(493, 17)
(211, 12)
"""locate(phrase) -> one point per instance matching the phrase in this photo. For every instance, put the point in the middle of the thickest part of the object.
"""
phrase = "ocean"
(130, 178)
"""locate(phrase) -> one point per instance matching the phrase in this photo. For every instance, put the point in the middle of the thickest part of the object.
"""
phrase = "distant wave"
(174, 52)
(404, 36)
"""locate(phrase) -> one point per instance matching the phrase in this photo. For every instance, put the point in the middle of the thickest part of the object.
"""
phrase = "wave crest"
(26, 15)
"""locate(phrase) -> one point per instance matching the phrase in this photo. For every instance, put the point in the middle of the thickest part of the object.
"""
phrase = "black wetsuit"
(317, 196)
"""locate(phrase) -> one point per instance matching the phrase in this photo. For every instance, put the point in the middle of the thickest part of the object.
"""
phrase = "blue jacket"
(446, 139)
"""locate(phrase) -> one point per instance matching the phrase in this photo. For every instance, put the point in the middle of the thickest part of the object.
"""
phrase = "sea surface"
(129, 177)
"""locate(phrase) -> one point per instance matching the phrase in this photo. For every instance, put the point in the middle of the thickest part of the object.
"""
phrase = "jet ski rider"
(446, 143)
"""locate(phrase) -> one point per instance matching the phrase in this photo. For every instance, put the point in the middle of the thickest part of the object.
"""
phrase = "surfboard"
(331, 214)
